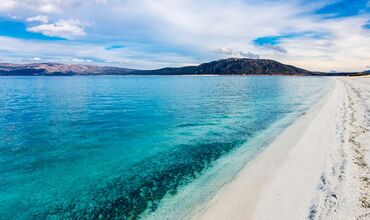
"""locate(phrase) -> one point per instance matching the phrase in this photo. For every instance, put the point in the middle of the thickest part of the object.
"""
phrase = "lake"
(135, 146)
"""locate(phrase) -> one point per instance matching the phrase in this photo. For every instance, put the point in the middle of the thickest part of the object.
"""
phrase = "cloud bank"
(311, 34)
(231, 53)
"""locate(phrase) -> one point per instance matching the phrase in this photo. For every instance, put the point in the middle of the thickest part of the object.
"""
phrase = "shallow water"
(125, 146)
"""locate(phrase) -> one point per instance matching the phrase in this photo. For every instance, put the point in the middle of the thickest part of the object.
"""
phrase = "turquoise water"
(128, 146)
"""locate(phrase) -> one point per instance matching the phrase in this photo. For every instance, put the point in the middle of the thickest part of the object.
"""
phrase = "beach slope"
(318, 168)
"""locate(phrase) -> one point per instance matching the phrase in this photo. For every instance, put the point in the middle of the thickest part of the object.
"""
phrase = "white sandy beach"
(318, 168)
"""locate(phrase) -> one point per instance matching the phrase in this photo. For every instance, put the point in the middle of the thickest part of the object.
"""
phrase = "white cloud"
(38, 18)
(36, 58)
(21, 51)
(346, 50)
(48, 8)
(78, 60)
(236, 53)
(68, 29)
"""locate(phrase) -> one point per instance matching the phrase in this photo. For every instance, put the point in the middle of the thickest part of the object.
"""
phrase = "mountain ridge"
(230, 66)
(234, 66)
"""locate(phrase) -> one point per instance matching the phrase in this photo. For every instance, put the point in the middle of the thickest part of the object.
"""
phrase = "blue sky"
(320, 35)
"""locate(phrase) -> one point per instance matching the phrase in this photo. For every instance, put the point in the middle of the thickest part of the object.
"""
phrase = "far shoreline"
(188, 75)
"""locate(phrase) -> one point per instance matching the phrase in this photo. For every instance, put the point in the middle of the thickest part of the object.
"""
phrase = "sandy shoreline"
(318, 168)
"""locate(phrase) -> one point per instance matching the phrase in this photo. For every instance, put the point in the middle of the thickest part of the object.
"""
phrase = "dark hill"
(233, 66)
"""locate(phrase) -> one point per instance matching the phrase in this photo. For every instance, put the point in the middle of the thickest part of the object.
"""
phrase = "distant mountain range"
(231, 66)
(57, 69)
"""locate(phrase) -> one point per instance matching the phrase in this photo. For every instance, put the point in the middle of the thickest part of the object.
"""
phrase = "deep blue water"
(124, 147)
